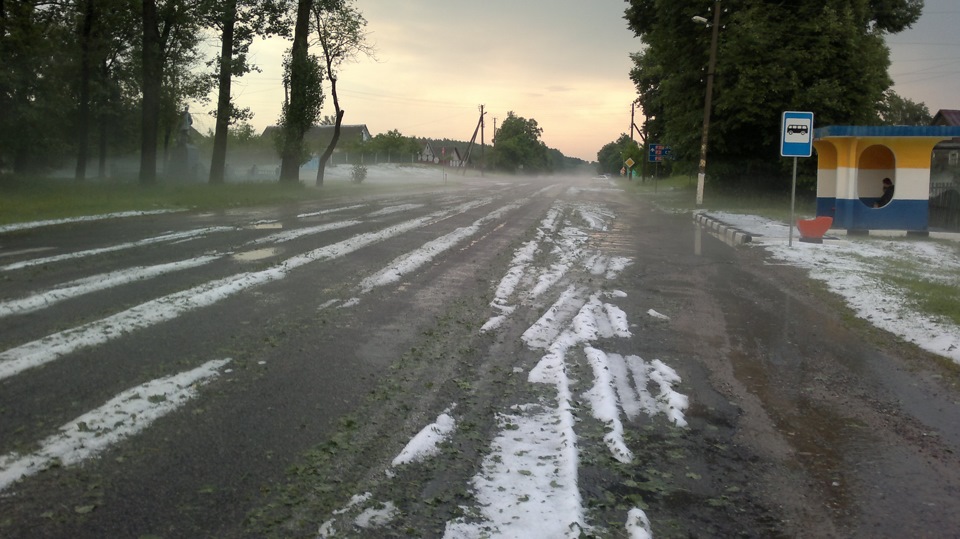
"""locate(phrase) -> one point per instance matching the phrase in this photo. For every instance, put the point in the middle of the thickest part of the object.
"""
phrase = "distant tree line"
(81, 80)
(86, 78)
(824, 56)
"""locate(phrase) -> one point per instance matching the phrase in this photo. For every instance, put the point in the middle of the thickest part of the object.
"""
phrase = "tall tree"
(105, 38)
(826, 56)
(238, 22)
(35, 84)
(169, 40)
(152, 65)
(89, 16)
(302, 109)
(114, 79)
(341, 34)
(517, 146)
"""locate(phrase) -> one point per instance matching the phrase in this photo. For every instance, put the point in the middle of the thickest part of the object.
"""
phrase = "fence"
(945, 188)
(945, 206)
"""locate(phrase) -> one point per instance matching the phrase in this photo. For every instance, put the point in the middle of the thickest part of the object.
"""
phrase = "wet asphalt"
(824, 426)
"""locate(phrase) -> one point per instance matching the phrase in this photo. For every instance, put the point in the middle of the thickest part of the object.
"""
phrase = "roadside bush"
(359, 173)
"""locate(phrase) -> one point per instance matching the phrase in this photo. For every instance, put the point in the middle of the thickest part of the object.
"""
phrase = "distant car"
(602, 177)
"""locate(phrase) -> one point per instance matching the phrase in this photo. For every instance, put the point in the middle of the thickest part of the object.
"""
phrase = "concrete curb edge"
(727, 233)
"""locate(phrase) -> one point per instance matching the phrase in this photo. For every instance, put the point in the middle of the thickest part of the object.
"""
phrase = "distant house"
(449, 156)
(946, 117)
(319, 136)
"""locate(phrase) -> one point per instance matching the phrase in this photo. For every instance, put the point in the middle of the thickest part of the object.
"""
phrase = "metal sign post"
(796, 140)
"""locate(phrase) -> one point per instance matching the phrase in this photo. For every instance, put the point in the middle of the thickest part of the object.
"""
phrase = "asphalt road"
(321, 337)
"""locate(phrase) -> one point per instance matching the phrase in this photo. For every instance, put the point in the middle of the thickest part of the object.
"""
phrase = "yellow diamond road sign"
(629, 162)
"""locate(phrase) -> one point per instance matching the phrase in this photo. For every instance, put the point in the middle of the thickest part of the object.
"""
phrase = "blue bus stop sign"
(796, 134)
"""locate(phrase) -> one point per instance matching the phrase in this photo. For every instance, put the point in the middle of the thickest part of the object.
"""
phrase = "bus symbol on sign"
(797, 129)
(796, 134)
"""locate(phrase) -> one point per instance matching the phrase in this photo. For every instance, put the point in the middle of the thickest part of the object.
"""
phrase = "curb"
(727, 233)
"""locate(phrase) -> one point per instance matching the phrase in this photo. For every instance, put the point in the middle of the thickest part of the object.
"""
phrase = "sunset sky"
(564, 63)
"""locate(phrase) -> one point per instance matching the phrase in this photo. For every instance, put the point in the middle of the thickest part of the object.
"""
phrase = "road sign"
(796, 134)
(659, 152)
(629, 162)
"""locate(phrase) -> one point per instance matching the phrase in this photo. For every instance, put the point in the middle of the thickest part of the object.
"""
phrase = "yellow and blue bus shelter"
(854, 160)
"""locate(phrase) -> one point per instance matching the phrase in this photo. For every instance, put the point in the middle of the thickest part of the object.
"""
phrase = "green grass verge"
(680, 193)
(932, 291)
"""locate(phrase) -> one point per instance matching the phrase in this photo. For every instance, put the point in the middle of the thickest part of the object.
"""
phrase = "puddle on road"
(826, 442)
(769, 357)
(267, 225)
(257, 254)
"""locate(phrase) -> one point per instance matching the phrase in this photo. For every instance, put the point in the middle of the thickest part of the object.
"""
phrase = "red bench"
(812, 230)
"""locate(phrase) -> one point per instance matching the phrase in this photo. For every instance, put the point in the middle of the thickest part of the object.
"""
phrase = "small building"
(446, 155)
(854, 160)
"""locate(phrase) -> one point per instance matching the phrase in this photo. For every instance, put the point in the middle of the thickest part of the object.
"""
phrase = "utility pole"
(711, 67)
(643, 139)
(483, 161)
(472, 140)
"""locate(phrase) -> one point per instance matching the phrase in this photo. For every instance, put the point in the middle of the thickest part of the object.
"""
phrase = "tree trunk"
(83, 121)
(322, 166)
(150, 104)
(102, 160)
(293, 138)
(219, 159)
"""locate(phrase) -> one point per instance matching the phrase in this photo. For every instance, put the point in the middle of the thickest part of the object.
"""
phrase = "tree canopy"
(825, 56)
(897, 110)
(517, 146)
(612, 156)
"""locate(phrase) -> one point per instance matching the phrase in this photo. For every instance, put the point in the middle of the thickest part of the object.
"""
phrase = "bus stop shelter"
(852, 162)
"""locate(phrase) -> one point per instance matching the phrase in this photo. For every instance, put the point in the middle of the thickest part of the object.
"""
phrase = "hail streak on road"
(52, 347)
(413, 260)
(173, 236)
(121, 417)
(528, 483)
(96, 283)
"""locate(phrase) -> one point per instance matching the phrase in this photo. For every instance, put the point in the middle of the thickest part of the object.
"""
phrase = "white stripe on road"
(96, 283)
(121, 417)
(37, 224)
(189, 234)
(409, 262)
(395, 209)
(333, 210)
(51, 347)
(288, 235)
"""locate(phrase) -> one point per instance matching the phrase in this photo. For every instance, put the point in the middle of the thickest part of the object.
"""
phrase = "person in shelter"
(887, 194)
